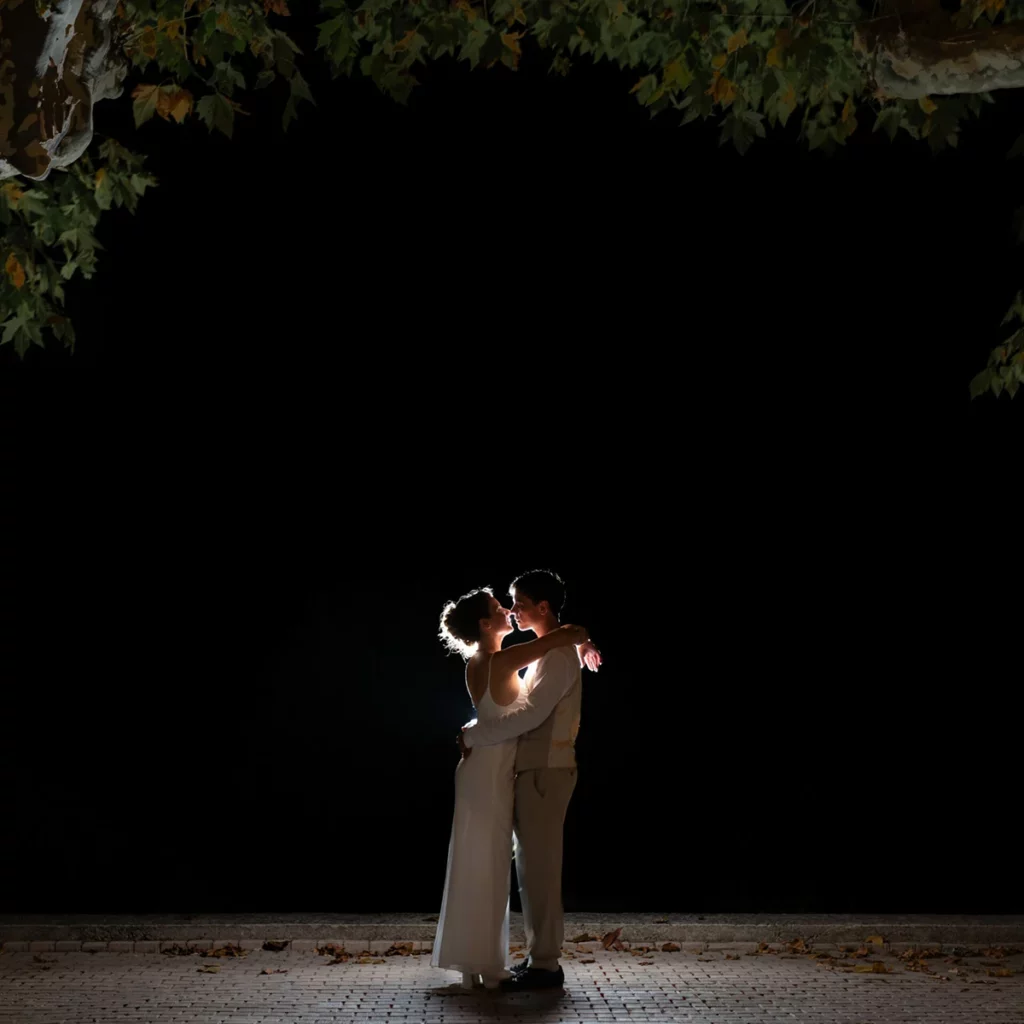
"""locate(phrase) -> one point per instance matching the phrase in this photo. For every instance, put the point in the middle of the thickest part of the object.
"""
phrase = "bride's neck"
(489, 644)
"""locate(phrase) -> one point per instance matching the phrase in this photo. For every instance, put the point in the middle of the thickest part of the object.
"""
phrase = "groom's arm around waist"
(555, 674)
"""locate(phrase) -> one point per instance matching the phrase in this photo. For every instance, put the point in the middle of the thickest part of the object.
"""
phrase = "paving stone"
(111, 988)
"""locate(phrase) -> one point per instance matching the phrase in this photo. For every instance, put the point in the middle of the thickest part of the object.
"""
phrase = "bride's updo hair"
(460, 621)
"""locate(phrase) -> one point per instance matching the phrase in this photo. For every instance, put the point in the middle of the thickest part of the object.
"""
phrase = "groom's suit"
(545, 781)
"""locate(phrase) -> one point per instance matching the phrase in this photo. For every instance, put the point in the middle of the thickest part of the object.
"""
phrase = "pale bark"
(911, 57)
(52, 71)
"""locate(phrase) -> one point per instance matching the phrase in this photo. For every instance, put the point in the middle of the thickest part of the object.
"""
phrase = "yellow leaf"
(15, 271)
(927, 105)
(511, 40)
(718, 61)
(12, 192)
(847, 111)
(179, 105)
(464, 5)
(737, 40)
(789, 97)
(677, 74)
(403, 43)
(774, 58)
(721, 90)
(639, 85)
(100, 175)
(224, 23)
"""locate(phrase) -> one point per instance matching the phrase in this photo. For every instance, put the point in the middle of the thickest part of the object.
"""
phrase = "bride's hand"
(591, 656)
(577, 634)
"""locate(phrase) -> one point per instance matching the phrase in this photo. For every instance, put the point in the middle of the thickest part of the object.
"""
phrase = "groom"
(545, 774)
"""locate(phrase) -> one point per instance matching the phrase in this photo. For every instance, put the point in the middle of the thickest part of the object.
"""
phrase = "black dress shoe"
(519, 968)
(533, 978)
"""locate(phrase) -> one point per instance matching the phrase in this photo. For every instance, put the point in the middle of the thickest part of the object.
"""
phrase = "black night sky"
(328, 380)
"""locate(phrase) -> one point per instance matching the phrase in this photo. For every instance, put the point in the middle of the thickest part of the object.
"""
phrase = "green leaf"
(10, 329)
(229, 76)
(996, 383)
(145, 107)
(979, 385)
(217, 112)
(336, 37)
(264, 78)
(286, 39)
(300, 89)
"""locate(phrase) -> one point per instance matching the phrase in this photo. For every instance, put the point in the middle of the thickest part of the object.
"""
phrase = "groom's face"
(524, 612)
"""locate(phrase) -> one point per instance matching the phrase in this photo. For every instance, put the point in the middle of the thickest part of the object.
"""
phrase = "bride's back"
(505, 686)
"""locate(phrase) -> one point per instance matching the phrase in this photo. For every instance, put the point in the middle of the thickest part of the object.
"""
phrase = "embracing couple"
(515, 780)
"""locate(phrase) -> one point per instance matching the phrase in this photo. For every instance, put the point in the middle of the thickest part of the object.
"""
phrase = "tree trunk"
(913, 57)
(52, 70)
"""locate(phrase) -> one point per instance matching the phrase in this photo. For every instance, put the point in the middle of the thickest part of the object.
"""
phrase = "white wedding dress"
(472, 930)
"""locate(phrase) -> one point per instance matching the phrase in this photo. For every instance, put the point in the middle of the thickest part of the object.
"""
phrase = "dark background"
(328, 380)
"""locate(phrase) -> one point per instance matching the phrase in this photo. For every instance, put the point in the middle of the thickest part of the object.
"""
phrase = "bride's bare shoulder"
(475, 679)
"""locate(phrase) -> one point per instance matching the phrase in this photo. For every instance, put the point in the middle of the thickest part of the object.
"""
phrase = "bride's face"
(500, 622)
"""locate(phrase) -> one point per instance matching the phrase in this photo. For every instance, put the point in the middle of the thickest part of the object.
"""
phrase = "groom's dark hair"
(542, 585)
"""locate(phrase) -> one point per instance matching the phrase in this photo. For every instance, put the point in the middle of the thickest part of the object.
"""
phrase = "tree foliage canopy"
(830, 66)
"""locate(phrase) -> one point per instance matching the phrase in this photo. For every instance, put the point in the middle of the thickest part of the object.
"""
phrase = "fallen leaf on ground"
(370, 960)
(42, 959)
(646, 963)
(276, 970)
(208, 969)
(661, 920)
(798, 946)
(611, 939)
(732, 956)
(874, 940)
(670, 947)
(228, 950)
(1002, 972)
(876, 968)
(275, 946)
(591, 960)
(585, 937)
(519, 956)
(399, 949)
(330, 949)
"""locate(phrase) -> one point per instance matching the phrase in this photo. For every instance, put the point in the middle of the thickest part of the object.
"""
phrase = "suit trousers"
(542, 797)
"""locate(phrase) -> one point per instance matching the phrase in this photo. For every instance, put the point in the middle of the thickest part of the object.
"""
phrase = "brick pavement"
(727, 985)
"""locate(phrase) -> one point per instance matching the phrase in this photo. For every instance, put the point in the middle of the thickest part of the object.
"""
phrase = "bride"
(473, 927)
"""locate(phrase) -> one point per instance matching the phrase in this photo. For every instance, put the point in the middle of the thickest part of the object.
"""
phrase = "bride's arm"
(518, 656)
(550, 685)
